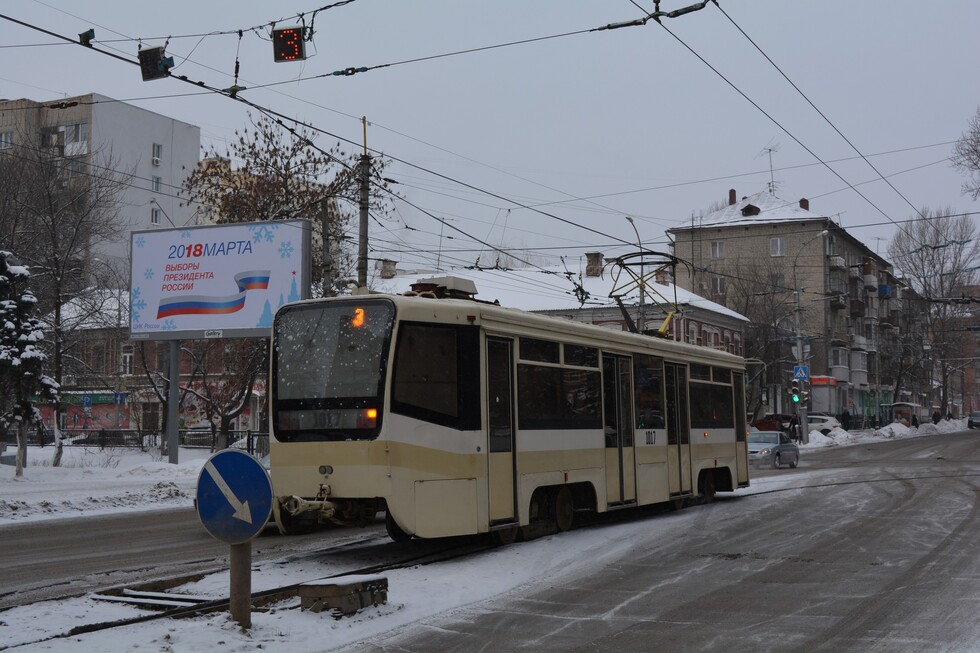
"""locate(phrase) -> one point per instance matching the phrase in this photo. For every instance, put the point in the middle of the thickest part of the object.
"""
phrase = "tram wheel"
(564, 509)
(394, 530)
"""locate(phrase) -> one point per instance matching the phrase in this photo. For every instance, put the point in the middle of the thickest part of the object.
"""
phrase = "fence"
(253, 442)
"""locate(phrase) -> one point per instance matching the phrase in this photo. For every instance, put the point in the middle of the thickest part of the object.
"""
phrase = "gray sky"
(587, 127)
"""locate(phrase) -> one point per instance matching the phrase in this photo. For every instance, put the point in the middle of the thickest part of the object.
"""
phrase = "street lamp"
(804, 424)
(639, 243)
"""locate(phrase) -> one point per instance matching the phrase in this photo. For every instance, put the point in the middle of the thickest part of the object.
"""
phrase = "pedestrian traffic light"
(794, 390)
(153, 64)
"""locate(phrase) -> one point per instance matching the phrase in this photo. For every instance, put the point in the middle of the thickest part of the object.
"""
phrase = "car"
(774, 422)
(772, 448)
(973, 421)
(823, 423)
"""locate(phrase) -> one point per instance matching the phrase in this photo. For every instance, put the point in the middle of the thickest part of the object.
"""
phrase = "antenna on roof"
(770, 148)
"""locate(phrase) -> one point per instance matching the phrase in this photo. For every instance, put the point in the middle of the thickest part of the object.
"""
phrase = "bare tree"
(938, 254)
(281, 175)
(54, 210)
(966, 157)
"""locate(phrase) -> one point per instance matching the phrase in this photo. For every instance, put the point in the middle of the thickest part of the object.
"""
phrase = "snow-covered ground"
(92, 481)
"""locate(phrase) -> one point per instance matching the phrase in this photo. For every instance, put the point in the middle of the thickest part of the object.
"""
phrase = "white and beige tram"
(459, 417)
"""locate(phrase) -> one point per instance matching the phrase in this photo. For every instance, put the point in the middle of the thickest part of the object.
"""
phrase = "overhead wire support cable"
(784, 129)
(819, 112)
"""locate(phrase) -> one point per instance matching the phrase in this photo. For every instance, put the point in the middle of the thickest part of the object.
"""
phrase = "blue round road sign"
(234, 496)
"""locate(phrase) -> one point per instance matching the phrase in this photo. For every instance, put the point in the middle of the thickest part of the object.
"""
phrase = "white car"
(823, 423)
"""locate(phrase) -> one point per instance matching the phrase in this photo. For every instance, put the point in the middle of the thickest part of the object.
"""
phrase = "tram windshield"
(328, 369)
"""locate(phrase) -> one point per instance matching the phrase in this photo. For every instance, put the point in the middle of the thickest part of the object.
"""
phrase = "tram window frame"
(554, 397)
(462, 411)
(712, 405)
(580, 356)
(540, 350)
(648, 392)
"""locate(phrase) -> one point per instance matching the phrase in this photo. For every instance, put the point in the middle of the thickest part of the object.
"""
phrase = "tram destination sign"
(194, 282)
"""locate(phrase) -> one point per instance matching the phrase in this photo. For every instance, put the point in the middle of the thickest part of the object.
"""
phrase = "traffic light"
(288, 44)
(794, 390)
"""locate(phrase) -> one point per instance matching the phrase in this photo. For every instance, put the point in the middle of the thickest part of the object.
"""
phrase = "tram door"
(617, 398)
(678, 429)
(500, 425)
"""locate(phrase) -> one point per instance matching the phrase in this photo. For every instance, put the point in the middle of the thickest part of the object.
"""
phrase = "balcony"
(871, 282)
(856, 307)
(837, 262)
(838, 301)
(858, 342)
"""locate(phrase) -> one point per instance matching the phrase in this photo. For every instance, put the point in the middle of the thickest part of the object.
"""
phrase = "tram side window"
(542, 351)
(556, 398)
(712, 406)
(428, 379)
(648, 381)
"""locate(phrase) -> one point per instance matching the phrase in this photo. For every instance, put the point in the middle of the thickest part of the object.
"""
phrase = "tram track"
(430, 553)
(424, 552)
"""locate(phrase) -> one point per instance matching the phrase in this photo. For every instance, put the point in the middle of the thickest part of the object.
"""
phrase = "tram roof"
(547, 289)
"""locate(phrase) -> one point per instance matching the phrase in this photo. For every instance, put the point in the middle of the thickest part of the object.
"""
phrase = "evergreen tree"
(21, 359)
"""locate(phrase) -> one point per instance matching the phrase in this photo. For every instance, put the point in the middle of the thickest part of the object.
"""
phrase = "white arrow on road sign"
(241, 509)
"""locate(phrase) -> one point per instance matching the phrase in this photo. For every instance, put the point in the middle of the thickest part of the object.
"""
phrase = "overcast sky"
(587, 127)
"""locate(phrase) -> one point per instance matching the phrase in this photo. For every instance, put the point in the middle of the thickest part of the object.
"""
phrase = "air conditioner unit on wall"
(156, 160)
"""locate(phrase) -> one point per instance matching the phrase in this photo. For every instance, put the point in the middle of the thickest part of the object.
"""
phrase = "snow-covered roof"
(549, 289)
(761, 208)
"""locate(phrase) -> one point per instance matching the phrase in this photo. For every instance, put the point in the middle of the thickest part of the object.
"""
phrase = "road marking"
(241, 509)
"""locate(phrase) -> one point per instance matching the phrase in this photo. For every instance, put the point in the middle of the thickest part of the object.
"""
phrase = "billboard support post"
(173, 399)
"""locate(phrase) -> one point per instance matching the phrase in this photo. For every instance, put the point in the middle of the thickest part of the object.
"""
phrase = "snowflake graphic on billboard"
(263, 232)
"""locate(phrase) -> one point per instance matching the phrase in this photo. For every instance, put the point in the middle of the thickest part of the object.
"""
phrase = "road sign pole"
(234, 502)
(240, 565)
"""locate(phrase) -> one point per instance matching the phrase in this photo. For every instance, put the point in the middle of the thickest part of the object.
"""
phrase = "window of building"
(718, 285)
(98, 359)
(157, 153)
(859, 361)
(157, 184)
(6, 140)
(839, 357)
(777, 246)
(717, 249)
(126, 362)
(154, 216)
(692, 334)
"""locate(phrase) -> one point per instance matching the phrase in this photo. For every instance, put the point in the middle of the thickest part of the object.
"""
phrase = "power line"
(819, 112)
(777, 123)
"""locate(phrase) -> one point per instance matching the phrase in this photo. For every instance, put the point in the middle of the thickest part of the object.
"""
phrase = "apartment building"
(156, 153)
(817, 297)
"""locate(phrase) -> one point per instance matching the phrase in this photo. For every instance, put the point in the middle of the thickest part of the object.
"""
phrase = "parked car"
(772, 448)
(774, 422)
(973, 421)
(823, 423)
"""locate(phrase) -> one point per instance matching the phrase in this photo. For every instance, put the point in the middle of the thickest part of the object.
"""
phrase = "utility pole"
(643, 288)
(362, 241)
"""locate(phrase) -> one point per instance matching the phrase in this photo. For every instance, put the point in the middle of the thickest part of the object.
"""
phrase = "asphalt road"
(876, 550)
(65, 557)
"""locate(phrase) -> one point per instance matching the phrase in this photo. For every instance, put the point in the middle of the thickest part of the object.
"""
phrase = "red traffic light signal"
(288, 44)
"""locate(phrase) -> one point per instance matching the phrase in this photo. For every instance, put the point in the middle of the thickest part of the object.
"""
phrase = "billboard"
(217, 281)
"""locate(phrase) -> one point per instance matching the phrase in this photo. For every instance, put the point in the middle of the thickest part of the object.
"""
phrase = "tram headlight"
(326, 470)
(367, 418)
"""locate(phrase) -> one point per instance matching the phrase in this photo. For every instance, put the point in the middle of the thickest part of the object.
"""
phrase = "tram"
(459, 417)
